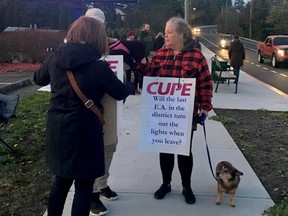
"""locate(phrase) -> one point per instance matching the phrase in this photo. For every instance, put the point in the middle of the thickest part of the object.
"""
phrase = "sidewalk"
(136, 175)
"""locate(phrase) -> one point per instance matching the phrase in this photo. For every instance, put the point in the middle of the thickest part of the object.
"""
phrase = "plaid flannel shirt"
(186, 64)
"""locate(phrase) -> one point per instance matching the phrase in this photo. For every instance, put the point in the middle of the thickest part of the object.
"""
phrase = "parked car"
(275, 48)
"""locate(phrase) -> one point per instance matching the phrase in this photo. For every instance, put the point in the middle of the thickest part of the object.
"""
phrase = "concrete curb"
(15, 86)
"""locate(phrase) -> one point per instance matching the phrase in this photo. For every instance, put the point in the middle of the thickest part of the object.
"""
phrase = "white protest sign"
(116, 64)
(167, 114)
(112, 108)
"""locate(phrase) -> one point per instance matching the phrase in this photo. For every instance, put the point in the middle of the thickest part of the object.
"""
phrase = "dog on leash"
(228, 179)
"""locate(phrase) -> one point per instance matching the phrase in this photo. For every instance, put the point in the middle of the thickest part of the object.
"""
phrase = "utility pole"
(186, 12)
(226, 17)
(250, 21)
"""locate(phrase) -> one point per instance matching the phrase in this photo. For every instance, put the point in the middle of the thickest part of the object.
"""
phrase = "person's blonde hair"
(87, 30)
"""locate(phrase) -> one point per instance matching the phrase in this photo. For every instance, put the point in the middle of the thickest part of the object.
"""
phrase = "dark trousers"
(136, 77)
(82, 197)
(140, 81)
(236, 71)
(185, 165)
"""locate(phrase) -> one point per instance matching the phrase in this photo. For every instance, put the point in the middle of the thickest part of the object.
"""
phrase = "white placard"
(167, 114)
(113, 109)
(116, 64)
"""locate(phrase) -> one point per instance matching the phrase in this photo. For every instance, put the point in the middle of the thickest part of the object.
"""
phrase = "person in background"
(146, 39)
(74, 145)
(236, 55)
(101, 188)
(130, 35)
(98, 14)
(180, 50)
(159, 41)
(130, 39)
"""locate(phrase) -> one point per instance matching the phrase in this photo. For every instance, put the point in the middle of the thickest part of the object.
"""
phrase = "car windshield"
(281, 41)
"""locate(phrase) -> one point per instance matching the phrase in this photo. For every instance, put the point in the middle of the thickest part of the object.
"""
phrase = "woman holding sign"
(180, 58)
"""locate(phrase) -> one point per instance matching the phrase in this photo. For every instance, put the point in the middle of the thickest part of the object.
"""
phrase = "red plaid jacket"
(186, 64)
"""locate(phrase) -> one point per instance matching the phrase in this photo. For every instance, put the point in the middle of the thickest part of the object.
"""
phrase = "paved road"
(276, 77)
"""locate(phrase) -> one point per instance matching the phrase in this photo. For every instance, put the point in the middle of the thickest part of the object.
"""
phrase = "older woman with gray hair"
(180, 58)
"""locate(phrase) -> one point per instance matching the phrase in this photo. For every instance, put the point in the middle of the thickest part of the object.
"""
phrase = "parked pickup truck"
(275, 48)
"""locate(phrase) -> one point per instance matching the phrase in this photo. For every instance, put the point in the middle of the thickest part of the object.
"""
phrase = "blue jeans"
(82, 197)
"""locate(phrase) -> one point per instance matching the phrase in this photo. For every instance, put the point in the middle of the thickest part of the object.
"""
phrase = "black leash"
(207, 149)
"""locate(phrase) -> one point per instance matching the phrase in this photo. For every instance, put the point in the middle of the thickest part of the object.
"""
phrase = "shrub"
(280, 209)
(29, 45)
(8, 49)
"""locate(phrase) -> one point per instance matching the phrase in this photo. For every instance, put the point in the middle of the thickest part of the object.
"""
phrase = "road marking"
(264, 68)
(210, 42)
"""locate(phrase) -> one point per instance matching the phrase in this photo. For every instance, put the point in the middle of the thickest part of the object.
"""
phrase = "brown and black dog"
(228, 178)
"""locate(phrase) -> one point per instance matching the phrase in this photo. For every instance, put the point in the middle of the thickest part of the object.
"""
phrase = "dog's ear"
(238, 173)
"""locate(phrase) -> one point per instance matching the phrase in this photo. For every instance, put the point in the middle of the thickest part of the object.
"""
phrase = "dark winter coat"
(236, 53)
(145, 39)
(133, 51)
(136, 49)
(158, 43)
(74, 137)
